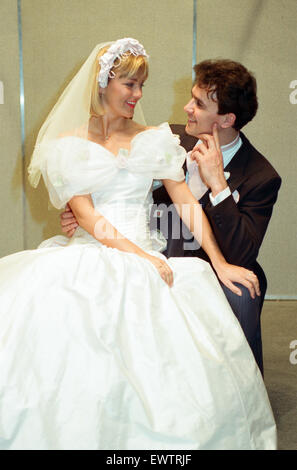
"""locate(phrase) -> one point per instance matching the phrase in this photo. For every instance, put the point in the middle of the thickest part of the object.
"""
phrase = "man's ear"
(228, 120)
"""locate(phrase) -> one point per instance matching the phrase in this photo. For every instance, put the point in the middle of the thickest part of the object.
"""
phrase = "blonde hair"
(127, 66)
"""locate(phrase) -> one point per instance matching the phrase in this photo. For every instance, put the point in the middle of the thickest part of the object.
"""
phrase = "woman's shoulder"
(158, 152)
(141, 128)
(160, 135)
(72, 149)
(158, 149)
(163, 131)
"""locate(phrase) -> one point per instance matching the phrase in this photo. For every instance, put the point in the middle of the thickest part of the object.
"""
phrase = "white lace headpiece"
(116, 51)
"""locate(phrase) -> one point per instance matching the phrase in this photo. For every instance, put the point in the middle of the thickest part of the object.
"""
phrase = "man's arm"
(240, 228)
(193, 216)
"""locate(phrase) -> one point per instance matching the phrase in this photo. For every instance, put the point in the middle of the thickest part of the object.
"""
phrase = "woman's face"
(120, 96)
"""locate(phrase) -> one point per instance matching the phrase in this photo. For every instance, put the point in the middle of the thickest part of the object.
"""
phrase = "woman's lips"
(132, 104)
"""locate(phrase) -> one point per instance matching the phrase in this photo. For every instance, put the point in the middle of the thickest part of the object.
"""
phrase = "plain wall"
(262, 34)
(59, 34)
(11, 187)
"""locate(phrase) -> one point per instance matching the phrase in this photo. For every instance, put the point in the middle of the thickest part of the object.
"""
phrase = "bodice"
(126, 204)
(120, 186)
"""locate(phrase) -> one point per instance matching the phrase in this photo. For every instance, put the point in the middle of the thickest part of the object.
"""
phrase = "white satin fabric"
(97, 352)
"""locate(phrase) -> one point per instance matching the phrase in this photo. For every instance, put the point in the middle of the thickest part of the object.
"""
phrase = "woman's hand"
(68, 222)
(164, 269)
(228, 274)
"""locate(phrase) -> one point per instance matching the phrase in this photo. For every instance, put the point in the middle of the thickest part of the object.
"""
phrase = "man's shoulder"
(187, 141)
(256, 162)
(178, 128)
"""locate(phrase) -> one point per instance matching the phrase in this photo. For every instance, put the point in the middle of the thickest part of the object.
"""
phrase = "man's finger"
(68, 227)
(69, 234)
(216, 137)
(233, 288)
(196, 156)
(208, 140)
(68, 222)
(194, 152)
(254, 283)
(199, 150)
(66, 215)
(249, 285)
(202, 149)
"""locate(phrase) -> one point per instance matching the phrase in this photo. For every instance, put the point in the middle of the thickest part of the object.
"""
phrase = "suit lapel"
(237, 166)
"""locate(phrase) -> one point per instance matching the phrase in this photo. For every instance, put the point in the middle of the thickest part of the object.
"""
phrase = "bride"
(105, 344)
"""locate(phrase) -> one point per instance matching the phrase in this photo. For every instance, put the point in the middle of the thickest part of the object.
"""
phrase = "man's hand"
(68, 222)
(209, 158)
(230, 274)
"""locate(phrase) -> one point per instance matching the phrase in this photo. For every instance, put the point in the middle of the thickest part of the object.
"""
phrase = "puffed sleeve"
(72, 166)
(161, 154)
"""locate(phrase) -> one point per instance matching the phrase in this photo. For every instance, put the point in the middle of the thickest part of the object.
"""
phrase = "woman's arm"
(99, 227)
(193, 216)
(103, 231)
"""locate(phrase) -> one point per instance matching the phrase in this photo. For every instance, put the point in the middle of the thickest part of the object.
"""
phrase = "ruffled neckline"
(122, 151)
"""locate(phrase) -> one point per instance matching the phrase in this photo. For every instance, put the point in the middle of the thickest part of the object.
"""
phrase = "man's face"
(202, 112)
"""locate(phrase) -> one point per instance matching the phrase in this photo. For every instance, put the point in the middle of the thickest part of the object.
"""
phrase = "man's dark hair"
(234, 86)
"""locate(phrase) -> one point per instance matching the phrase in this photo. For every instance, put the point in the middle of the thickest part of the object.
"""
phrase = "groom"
(234, 183)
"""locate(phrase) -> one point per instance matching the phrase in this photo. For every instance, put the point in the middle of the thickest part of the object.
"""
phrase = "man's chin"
(196, 132)
(190, 131)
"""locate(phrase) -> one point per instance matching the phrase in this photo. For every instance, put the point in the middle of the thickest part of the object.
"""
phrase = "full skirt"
(97, 352)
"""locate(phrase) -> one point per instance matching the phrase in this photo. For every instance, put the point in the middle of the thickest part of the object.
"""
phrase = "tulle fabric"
(71, 165)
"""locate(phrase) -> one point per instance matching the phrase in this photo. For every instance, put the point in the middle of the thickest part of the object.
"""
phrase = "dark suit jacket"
(238, 228)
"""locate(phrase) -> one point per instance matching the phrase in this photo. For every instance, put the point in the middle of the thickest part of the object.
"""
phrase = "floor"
(279, 332)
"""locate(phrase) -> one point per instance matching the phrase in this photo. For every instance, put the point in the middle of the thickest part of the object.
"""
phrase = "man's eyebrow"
(199, 101)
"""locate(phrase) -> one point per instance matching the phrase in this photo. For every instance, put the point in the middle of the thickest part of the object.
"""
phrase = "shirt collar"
(230, 149)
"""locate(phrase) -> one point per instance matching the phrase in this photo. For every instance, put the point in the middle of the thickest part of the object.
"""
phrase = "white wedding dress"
(97, 352)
